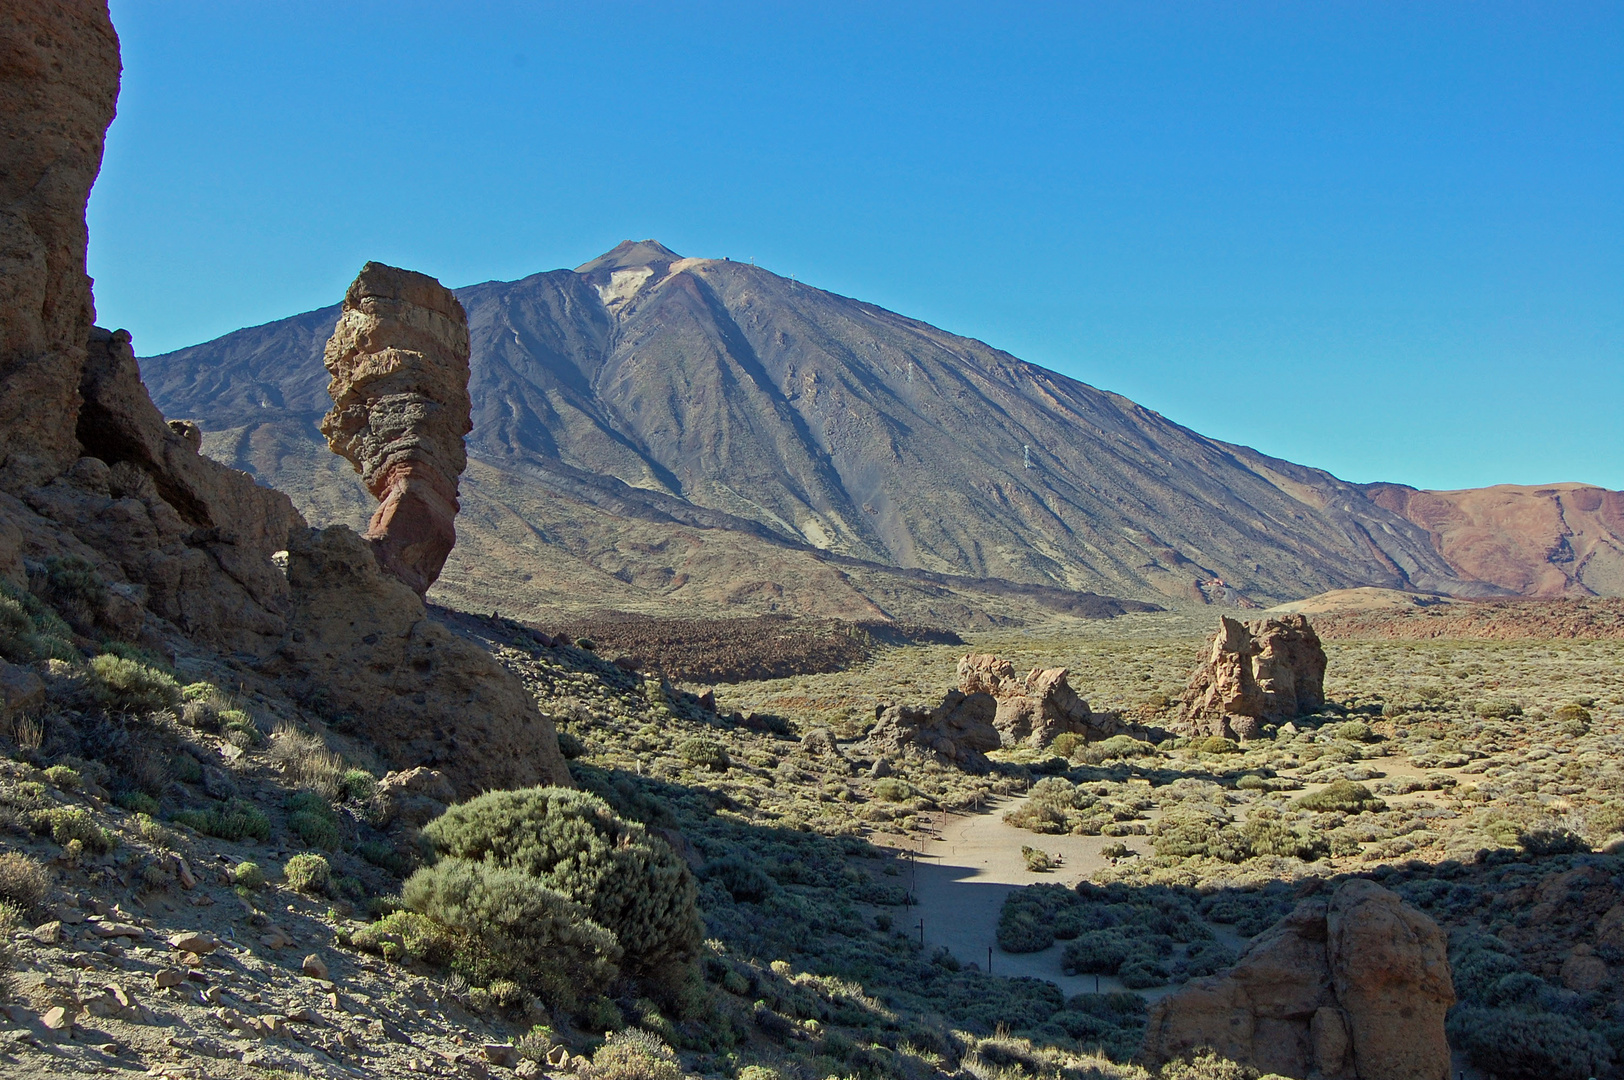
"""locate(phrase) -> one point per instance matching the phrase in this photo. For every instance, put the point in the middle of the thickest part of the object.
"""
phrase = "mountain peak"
(629, 254)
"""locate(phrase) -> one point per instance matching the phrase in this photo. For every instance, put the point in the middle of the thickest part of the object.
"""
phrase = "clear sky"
(1386, 239)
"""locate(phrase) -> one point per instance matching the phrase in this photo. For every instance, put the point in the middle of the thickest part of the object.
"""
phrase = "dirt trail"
(964, 874)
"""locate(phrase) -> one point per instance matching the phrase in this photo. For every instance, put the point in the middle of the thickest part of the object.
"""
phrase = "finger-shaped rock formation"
(399, 365)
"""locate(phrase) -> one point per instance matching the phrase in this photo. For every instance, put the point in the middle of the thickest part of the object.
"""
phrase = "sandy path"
(973, 863)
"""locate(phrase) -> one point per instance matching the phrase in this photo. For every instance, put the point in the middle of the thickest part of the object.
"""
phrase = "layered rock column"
(59, 72)
(399, 365)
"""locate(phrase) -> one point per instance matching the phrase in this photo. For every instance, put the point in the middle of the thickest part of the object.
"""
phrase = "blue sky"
(1382, 239)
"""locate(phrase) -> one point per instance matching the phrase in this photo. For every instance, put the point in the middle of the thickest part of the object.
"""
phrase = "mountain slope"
(721, 396)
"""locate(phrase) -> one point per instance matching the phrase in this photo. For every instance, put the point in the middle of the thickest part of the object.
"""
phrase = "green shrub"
(635, 1054)
(236, 722)
(705, 753)
(1067, 743)
(1344, 796)
(1184, 834)
(1604, 820)
(1206, 1065)
(308, 873)
(892, 790)
(743, 879)
(312, 819)
(30, 630)
(70, 824)
(24, 880)
(248, 875)
(1355, 731)
(1498, 709)
(587, 644)
(133, 686)
(1573, 719)
(138, 802)
(236, 820)
(402, 934)
(572, 842)
(1215, 744)
(63, 777)
(512, 926)
(357, 785)
(384, 854)
(1265, 833)
(1522, 1044)
(1039, 861)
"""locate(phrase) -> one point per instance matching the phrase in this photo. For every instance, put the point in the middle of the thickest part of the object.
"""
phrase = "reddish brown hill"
(1559, 540)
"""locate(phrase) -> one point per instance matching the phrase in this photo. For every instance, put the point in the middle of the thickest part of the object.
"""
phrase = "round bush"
(512, 926)
(134, 686)
(1344, 796)
(705, 753)
(572, 842)
(308, 873)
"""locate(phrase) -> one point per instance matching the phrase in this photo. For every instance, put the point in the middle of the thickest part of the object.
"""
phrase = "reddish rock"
(1353, 989)
(399, 362)
(1266, 671)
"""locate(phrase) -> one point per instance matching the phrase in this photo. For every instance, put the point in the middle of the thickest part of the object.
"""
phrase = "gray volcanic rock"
(720, 396)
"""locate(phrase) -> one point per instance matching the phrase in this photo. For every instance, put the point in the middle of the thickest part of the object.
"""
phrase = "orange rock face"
(1559, 540)
(399, 365)
(1356, 988)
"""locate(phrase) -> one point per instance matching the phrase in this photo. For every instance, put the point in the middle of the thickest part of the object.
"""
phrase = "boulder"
(399, 365)
(413, 797)
(58, 86)
(958, 730)
(1266, 671)
(20, 689)
(1351, 989)
(1034, 710)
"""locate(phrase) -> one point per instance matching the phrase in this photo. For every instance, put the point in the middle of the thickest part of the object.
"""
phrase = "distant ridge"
(721, 398)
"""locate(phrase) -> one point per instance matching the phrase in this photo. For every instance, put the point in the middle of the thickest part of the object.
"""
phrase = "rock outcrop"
(1034, 710)
(1356, 988)
(399, 365)
(1266, 671)
(960, 730)
(365, 647)
(59, 75)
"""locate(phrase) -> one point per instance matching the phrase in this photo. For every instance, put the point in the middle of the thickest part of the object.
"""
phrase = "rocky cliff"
(110, 512)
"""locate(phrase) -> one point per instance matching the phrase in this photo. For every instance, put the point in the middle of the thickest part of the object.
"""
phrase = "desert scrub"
(1341, 796)
(307, 762)
(248, 875)
(704, 753)
(634, 1054)
(131, 686)
(892, 790)
(30, 630)
(63, 777)
(308, 873)
(1039, 861)
(24, 880)
(504, 923)
(569, 841)
(72, 825)
(236, 820)
(312, 819)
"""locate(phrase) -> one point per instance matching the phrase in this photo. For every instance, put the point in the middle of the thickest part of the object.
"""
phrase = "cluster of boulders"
(1354, 988)
(991, 708)
(1268, 671)
(93, 478)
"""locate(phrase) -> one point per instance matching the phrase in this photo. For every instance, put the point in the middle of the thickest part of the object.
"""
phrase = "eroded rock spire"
(399, 365)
